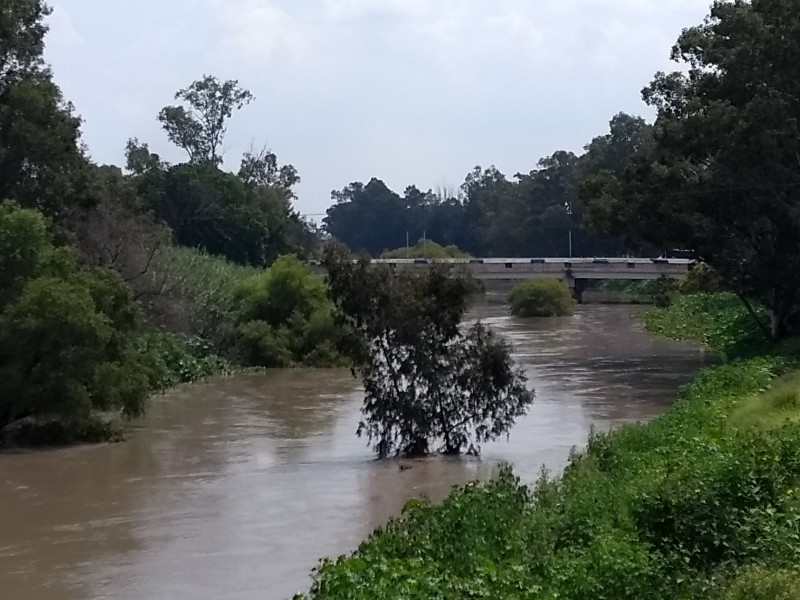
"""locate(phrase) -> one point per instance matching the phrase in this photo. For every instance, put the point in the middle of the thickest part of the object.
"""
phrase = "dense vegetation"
(66, 348)
(539, 213)
(701, 503)
(429, 384)
(117, 283)
(721, 174)
(541, 298)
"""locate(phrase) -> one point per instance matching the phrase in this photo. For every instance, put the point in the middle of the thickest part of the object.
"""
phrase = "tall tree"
(22, 32)
(200, 126)
(41, 165)
(369, 218)
(724, 174)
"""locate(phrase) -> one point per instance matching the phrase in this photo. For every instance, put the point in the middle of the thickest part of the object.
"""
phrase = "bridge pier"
(578, 288)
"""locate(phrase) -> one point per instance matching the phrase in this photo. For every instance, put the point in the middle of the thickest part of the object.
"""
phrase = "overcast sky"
(410, 91)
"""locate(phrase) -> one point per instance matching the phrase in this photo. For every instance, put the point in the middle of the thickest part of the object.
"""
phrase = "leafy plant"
(541, 298)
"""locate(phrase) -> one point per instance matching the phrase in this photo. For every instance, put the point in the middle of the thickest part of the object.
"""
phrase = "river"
(231, 490)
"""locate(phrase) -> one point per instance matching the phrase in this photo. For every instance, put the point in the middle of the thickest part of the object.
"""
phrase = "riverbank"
(703, 502)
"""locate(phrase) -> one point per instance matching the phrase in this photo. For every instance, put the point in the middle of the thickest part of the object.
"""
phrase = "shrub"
(720, 321)
(701, 280)
(283, 317)
(541, 298)
(172, 359)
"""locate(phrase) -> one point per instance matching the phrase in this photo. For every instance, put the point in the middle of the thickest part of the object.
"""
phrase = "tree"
(429, 385)
(210, 209)
(22, 32)
(368, 218)
(260, 169)
(723, 175)
(139, 160)
(200, 129)
(41, 165)
(65, 331)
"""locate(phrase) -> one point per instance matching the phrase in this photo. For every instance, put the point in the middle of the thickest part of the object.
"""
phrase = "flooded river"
(232, 490)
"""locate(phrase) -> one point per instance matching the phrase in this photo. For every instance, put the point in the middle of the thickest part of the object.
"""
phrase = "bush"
(701, 280)
(284, 318)
(172, 359)
(720, 321)
(541, 298)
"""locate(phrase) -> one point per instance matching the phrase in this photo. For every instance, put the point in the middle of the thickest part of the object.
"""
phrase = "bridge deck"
(557, 268)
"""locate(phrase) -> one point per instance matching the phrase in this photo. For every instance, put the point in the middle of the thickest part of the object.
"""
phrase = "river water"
(233, 489)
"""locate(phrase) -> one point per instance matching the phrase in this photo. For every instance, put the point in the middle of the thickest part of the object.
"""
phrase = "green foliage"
(201, 288)
(538, 213)
(541, 298)
(426, 249)
(201, 129)
(781, 403)
(721, 176)
(720, 321)
(701, 280)
(284, 318)
(667, 510)
(429, 386)
(171, 359)
(65, 332)
(759, 583)
(210, 209)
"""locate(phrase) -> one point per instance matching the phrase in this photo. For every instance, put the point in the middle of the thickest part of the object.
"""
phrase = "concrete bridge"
(575, 272)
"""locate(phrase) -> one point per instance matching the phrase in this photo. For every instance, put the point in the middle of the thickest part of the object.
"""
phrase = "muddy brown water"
(232, 490)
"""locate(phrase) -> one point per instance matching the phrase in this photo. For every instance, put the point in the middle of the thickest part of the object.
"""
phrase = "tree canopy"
(199, 127)
(722, 174)
(539, 213)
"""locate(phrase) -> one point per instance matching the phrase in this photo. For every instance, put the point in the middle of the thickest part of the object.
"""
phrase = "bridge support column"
(578, 288)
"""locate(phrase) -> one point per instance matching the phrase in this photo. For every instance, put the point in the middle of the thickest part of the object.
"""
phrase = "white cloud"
(263, 31)
(414, 91)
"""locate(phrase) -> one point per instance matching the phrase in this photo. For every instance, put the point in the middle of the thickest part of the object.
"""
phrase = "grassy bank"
(703, 502)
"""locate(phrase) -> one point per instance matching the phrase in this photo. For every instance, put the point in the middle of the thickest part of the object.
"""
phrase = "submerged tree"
(430, 386)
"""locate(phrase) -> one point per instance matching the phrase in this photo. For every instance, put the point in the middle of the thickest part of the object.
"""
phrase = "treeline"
(540, 213)
(117, 282)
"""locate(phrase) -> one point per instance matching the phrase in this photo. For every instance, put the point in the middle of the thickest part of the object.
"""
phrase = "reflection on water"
(233, 489)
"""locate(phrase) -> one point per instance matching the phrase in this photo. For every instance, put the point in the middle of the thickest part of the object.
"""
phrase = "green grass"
(760, 583)
(775, 407)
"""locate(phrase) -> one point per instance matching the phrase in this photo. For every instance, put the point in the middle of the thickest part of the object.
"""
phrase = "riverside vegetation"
(541, 298)
(117, 283)
(700, 503)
